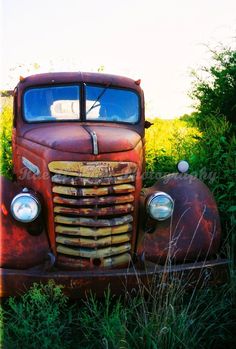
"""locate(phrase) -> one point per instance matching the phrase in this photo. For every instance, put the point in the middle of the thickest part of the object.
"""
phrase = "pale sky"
(157, 41)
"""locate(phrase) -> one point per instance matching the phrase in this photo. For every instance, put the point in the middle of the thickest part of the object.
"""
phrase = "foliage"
(164, 316)
(167, 142)
(215, 96)
(216, 153)
(5, 139)
(215, 91)
(40, 319)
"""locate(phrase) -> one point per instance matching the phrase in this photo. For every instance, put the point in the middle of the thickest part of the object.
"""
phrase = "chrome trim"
(32, 167)
(95, 142)
(32, 197)
(155, 195)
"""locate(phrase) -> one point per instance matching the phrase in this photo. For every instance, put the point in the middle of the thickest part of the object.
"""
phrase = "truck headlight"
(25, 207)
(160, 206)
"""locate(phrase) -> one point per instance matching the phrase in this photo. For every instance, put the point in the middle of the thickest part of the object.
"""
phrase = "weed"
(39, 319)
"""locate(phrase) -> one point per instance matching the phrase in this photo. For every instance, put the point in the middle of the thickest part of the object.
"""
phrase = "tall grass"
(163, 316)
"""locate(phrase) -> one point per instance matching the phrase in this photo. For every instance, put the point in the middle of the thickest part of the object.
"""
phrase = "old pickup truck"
(76, 211)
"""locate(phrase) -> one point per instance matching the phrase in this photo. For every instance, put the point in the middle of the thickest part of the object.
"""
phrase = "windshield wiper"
(98, 98)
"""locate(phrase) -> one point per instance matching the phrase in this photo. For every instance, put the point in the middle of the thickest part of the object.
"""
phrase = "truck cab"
(77, 211)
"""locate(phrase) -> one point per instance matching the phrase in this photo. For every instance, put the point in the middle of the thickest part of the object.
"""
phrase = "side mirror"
(147, 124)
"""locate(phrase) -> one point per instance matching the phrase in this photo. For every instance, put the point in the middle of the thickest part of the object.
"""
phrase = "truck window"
(111, 104)
(62, 103)
(52, 103)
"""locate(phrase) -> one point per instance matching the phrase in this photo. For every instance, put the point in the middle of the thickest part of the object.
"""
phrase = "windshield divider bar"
(82, 102)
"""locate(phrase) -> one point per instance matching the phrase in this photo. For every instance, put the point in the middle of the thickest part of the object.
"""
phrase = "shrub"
(214, 88)
(39, 319)
(168, 142)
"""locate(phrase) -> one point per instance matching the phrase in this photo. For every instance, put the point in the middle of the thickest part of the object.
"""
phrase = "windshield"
(62, 103)
(52, 103)
(111, 104)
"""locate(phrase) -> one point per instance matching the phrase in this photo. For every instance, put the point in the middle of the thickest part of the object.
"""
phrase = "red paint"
(4, 210)
(194, 230)
(19, 249)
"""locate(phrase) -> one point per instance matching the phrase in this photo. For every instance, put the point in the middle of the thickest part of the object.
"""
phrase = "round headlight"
(160, 206)
(25, 207)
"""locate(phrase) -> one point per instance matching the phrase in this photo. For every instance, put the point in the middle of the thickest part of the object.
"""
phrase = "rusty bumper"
(77, 284)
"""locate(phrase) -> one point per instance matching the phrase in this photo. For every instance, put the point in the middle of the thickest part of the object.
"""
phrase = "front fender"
(193, 232)
(19, 249)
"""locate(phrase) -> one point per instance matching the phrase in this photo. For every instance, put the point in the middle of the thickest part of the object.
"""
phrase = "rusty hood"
(78, 138)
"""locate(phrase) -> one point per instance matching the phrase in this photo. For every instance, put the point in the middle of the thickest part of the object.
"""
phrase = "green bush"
(39, 319)
(215, 97)
(214, 88)
(168, 142)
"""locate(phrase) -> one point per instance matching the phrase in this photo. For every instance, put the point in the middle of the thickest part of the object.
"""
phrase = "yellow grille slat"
(84, 231)
(101, 211)
(92, 243)
(94, 169)
(100, 253)
(68, 180)
(90, 222)
(116, 189)
(108, 262)
(100, 200)
(116, 260)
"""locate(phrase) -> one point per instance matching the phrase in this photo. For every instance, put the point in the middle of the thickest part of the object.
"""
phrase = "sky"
(157, 41)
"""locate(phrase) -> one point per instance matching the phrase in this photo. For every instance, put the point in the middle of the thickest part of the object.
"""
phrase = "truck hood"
(77, 138)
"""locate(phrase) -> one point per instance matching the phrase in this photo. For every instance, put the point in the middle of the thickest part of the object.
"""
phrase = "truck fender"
(19, 248)
(191, 233)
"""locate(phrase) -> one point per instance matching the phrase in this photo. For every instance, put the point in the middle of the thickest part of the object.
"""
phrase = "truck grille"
(93, 212)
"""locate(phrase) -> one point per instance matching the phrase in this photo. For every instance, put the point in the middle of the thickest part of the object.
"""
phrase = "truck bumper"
(78, 283)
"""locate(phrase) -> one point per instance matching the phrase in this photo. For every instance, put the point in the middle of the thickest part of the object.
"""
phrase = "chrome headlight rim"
(31, 196)
(155, 195)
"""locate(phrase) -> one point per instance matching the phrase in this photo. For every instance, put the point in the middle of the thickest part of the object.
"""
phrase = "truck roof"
(78, 77)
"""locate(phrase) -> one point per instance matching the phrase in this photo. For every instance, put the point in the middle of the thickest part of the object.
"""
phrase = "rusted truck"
(76, 210)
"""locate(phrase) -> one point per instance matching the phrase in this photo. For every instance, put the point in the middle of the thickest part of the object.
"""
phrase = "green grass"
(167, 316)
